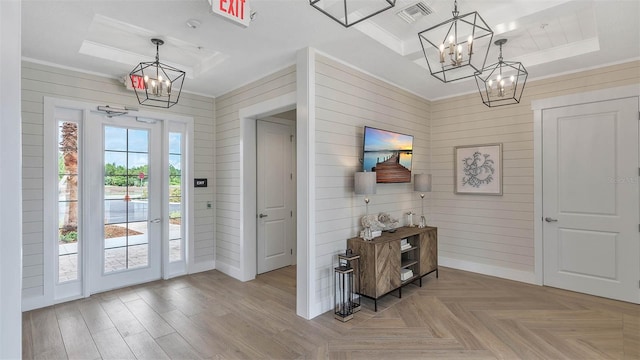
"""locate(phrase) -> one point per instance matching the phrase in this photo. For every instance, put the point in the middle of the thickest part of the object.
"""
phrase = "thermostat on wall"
(200, 182)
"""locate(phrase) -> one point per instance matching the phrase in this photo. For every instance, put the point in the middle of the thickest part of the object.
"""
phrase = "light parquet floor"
(209, 315)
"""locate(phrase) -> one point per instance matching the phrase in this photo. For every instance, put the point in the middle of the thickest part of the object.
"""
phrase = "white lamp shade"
(422, 182)
(365, 183)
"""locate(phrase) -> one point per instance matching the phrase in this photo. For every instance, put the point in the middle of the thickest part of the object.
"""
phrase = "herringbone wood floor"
(461, 315)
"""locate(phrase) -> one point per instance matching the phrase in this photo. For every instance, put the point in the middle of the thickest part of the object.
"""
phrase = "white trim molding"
(202, 266)
(491, 270)
(306, 187)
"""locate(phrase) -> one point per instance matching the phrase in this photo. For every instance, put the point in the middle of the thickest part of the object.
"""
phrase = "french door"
(124, 193)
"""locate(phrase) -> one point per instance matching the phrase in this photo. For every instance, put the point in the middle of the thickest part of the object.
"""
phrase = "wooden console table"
(382, 260)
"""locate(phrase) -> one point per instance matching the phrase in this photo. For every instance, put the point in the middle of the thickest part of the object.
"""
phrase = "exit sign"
(235, 10)
(133, 82)
(137, 81)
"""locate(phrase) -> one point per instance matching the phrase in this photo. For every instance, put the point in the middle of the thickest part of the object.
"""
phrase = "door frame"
(49, 296)
(248, 179)
(305, 165)
(538, 106)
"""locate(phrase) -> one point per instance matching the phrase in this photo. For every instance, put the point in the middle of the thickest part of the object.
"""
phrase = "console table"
(382, 260)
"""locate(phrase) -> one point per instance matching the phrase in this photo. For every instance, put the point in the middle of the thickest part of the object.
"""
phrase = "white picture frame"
(478, 169)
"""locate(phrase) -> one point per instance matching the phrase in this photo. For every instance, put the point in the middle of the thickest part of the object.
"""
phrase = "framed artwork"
(478, 169)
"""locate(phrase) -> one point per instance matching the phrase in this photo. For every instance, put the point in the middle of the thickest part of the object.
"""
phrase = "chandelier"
(351, 12)
(157, 84)
(457, 48)
(502, 83)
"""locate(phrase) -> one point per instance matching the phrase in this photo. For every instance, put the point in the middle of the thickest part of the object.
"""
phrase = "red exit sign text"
(137, 82)
(234, 10)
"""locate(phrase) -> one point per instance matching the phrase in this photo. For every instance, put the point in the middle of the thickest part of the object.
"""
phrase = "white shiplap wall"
(494, 234)
(346, 101)
(39, 81)
(228, 145)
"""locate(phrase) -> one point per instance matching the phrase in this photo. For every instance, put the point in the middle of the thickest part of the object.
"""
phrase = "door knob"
(262, 216)
(155, 221)
(548, 219)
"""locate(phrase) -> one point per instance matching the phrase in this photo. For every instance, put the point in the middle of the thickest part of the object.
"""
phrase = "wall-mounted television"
(389, 154)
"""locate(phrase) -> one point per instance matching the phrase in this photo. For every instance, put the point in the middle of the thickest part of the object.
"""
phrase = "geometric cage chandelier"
(502, 83)
(350, 12)
(157, 84)
(457, 48)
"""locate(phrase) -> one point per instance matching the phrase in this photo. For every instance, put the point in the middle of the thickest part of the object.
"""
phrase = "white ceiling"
(111, 37)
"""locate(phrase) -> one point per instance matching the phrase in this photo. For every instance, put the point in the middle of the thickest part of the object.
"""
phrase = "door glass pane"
(126, 158)
(176, 238)
(115, 138)
(68, 196)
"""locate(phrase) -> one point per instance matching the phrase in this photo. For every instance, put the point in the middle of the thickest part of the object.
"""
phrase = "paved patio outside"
(116, 253)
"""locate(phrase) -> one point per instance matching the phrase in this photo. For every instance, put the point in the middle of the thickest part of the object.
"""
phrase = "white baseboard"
(320, 307)
(232, 271)
(34, 302)
(202, 266)
(497, 271)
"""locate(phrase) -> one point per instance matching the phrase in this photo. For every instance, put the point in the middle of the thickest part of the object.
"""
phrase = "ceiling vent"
(412, 13)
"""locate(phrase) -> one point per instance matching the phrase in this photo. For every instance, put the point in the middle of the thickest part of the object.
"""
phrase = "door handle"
(155, 221)
(548, 219)
(262, 216)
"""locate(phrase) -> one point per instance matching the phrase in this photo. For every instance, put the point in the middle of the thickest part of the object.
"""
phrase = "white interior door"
(276, 193)
(591, 199)
(124, 189)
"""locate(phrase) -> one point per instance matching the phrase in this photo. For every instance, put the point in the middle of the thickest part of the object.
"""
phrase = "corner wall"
(39, 81)
(10, 182)
(494, 234)
(347, 100)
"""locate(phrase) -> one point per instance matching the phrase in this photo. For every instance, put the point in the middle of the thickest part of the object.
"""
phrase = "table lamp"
(365, 184)
(422, 184)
